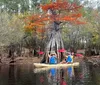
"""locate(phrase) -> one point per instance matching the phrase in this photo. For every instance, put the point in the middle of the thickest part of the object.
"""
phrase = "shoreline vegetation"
(95, 60)
(20, 60)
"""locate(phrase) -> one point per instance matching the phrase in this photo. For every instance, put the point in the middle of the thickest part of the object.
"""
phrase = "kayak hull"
(41, 65)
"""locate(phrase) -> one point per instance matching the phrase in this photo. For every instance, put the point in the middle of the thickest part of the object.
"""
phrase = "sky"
(92, 3)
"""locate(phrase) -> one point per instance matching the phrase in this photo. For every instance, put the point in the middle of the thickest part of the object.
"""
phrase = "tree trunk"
(54, 41)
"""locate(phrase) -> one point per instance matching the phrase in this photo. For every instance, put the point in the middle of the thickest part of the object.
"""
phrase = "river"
(84, 74)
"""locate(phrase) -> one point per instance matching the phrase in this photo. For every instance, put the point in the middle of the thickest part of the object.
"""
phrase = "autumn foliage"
(59, 5)
(37, 22)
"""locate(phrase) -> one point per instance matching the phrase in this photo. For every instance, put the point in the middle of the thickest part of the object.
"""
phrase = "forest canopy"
(12, 24)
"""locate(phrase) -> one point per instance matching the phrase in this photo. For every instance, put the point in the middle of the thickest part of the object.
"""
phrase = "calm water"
(27, 75)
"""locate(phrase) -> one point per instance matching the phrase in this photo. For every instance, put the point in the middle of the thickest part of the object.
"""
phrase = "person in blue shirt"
(69, 58)
(52, 58)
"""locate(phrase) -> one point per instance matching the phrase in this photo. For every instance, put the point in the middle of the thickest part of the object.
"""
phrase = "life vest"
(69, 59)
(52, 60)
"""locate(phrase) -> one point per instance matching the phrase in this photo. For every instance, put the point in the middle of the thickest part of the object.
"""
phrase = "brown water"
(24, 75)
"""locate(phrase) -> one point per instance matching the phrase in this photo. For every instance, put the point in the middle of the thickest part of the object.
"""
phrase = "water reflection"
(52, 76)
(11, 77)
(71, 76)
(85, 74)
(62, 76)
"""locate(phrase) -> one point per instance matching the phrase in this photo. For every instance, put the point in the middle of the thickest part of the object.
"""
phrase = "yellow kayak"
(42, 65)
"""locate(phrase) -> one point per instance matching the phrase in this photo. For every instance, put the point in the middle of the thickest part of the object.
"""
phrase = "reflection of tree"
(62, 79)
(95, 71)
(12, 78)
(42, 79)
(83, 74)
(67, 76)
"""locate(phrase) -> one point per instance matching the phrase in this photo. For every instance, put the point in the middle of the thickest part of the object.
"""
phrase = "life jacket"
(52, 60)
(69, 59)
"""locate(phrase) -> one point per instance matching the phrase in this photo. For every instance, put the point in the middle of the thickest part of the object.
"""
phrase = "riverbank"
(95, 60)
(20, 60)
(30, 60)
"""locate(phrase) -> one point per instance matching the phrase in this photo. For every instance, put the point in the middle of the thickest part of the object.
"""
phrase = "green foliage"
(11, 29)
(11, 26)
(14, 6)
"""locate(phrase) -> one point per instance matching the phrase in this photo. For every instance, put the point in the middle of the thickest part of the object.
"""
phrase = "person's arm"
(49, 55)
(72, 58)
(55, 55)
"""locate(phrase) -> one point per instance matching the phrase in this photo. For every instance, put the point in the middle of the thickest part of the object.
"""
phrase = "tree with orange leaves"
(54, 14)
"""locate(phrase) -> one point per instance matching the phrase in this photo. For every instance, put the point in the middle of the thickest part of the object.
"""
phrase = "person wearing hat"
(69, 58)
(52, 58)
